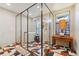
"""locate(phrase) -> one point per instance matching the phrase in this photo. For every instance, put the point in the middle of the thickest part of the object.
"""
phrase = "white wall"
(77, 27)
(59, 6)
(7, 27)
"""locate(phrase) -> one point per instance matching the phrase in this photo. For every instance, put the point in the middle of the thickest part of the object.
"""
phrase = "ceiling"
(35, 10)
(15, 7)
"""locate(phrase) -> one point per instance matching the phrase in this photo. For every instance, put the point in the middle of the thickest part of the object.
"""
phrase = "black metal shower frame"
(28, 24)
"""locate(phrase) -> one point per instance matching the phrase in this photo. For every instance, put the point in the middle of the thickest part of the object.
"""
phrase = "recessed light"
(8, 4)
(37, 6)
(30, 14)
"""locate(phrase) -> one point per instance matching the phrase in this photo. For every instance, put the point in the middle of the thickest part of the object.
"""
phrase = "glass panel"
(18, 29)
(47, 28)
(24, 29)
(34, 33)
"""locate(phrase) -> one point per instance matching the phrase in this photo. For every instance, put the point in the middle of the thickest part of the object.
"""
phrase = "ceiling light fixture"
(8, 4)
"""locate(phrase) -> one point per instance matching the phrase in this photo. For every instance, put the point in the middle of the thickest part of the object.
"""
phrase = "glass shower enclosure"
(34, 27)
